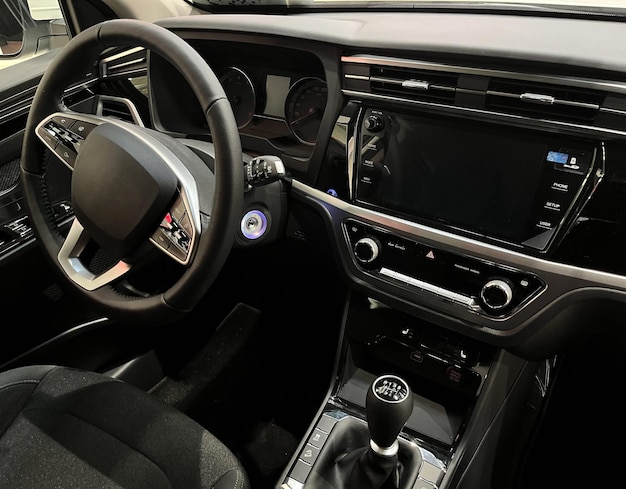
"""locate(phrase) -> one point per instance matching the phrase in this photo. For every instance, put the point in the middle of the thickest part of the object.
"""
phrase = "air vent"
(126, 64)
(118, 108)
(547, 99)
(543, 100)
(423, 85)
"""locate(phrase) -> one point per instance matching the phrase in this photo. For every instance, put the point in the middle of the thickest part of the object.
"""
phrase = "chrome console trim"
(608, 85)
(560, 278)
(597, 131)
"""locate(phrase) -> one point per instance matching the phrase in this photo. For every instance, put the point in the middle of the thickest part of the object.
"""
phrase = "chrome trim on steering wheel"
(69, 259)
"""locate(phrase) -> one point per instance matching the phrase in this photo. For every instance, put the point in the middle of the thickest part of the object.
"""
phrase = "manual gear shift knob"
(388, 405)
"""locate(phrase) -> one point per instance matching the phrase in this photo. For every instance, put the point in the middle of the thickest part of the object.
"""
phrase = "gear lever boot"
(353, 459)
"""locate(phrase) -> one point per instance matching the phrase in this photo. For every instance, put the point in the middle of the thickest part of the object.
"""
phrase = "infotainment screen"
(502, 182)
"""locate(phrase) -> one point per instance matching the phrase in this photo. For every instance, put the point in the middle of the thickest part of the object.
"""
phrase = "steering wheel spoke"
(64, 134)
(69, 258)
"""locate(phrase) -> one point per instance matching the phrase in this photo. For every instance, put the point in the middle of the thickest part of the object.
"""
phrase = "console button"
(300, 471)
(318, 438)
(430, 473)
(326, 423)
(545, 224)
(309, 454)
(560, 186)
(421, 484)
(553, 205)
(571, 161)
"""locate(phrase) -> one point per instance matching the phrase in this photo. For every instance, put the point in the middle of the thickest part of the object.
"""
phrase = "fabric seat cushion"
(68, 428)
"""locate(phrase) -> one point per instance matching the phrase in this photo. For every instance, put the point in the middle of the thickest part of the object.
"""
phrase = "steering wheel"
(134, 190)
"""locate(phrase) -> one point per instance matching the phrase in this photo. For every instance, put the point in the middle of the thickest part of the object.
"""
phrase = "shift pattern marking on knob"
(391, 389)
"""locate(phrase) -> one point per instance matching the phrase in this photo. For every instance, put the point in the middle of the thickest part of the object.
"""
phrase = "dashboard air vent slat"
(543, 100)
(423, 85)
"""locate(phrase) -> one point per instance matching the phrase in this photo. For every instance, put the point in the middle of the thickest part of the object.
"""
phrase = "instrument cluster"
(276, 93)
(275, 105)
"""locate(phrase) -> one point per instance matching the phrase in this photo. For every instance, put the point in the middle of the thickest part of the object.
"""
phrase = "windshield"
(615, 7)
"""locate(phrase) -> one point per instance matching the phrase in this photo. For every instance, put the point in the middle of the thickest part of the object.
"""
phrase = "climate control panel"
(483, 287)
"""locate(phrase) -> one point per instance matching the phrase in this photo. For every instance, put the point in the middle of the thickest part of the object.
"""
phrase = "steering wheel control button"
(48, 136)
(253, 224)
(81, 128)
(176, 232)
(65, 136)
(67, 155)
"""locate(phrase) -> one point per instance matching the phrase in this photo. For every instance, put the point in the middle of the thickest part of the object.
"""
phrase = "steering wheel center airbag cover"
(122, 187)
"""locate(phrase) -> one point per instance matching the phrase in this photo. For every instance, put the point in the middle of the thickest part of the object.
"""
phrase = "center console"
(458, 389)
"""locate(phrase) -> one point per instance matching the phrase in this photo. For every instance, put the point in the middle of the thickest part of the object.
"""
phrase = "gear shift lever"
(353, 459)
(388, 406)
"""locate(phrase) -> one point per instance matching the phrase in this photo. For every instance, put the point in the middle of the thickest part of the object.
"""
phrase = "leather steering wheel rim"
(218, 230)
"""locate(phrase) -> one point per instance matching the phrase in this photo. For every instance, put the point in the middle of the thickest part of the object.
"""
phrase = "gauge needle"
(310, 113)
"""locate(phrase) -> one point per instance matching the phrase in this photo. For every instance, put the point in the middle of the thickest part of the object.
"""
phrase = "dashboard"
(476, 184)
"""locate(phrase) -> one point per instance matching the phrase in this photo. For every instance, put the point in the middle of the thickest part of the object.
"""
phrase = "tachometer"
(305, 105)
(241, 94)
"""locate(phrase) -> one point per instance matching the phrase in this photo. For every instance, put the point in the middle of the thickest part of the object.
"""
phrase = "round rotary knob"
(366, 249)
(373, 123)
(497, 294)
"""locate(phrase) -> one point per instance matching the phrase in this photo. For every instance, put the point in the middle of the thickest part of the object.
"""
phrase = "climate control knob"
(366, 249)
(373, 123)
(497, 294)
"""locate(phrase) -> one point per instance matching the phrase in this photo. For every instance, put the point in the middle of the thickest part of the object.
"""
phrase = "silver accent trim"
(461, 299)
(613, 111)
(415, 84)
(601, 131)
(69, 253)
(385, 452)
(373, 248)
(186, 180)
(69, 259)
(292, 484)
(132, 108)
(537, 98)
(583, 276)
(107, 64)
(611, 86)
(357, 77)
(503, 287)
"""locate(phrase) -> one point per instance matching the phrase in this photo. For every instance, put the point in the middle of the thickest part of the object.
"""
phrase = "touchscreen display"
(476, 176)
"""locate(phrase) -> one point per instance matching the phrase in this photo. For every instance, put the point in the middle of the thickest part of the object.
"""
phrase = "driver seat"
(67, 428)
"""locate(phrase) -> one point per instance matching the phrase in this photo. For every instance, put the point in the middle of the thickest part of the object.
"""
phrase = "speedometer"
(240, 93)
(305, 105)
